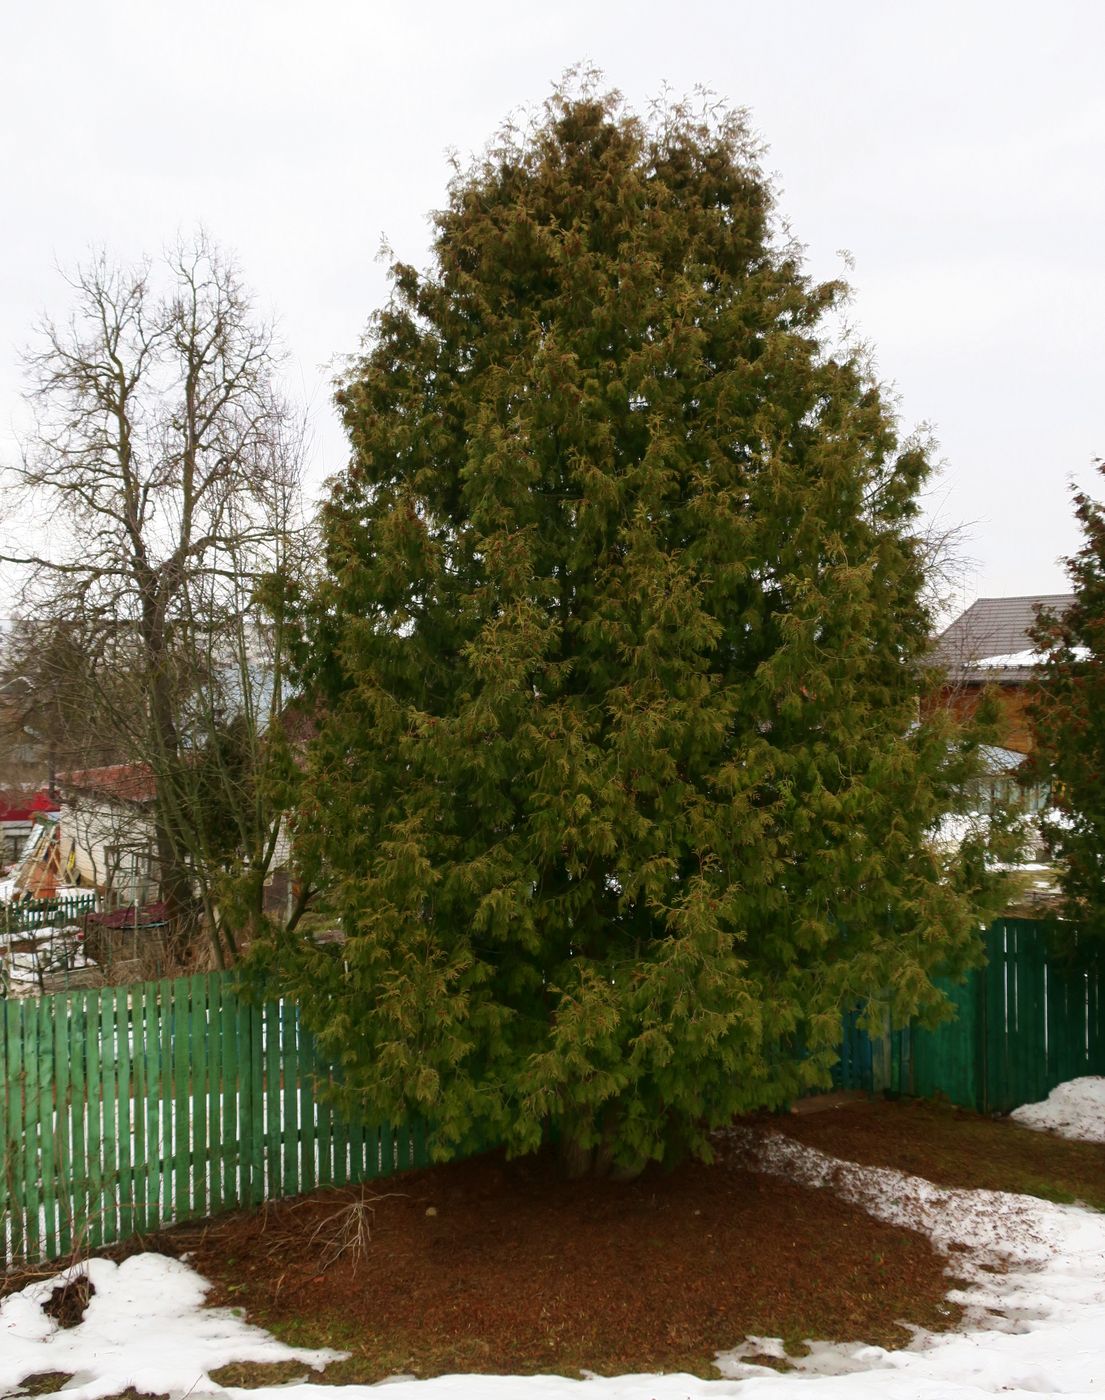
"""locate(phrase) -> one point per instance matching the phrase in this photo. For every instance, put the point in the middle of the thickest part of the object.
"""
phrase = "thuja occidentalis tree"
(619, 777)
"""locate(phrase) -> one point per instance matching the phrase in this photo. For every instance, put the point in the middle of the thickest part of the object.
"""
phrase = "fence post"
(12, 1091)
(982, 1032)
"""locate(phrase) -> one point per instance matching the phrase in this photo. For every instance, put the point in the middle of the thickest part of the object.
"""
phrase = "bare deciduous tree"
(160, 489)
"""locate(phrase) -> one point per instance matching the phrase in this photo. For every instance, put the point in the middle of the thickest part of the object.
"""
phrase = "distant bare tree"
(159, 496)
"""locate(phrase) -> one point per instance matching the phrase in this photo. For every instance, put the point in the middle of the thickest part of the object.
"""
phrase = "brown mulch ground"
(503, 1267)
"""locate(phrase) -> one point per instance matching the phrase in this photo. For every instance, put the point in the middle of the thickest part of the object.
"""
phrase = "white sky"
(957, 150)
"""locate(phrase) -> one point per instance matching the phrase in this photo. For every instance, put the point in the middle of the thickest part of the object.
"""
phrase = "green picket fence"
(127, 1108)
(1030, 1019)
(36, 915)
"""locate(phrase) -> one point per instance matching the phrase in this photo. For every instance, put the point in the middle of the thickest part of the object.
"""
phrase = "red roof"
(19, 807)
(129, 782)
(148, 916)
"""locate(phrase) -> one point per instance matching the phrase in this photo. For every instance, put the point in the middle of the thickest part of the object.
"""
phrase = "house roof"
(125, 782)
(995, 630)
(22, 806)
(147, 916)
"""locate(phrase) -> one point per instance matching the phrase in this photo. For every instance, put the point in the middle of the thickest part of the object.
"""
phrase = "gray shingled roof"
(994, 627)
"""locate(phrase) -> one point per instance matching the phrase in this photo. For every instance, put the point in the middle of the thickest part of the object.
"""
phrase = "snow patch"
(1022, 660)
(1010, 660)
(1075, 1109)
(145, 1327)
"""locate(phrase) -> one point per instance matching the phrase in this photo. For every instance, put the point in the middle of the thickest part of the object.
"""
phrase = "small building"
(106, 831)
(131, 939)
(108, 841)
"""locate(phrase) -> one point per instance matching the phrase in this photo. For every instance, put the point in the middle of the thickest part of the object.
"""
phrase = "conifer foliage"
(619, 779)
(1069, 716)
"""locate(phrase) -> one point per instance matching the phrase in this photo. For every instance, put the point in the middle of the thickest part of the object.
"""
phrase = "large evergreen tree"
(1069, 716)
(619, 778)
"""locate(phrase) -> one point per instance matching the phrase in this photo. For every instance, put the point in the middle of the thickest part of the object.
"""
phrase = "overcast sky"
(956, 150)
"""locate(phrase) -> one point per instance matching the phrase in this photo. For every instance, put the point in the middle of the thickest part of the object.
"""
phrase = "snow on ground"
(145, 1327)
(56, 950)
(1034, 1275)
(1034, 1300)
(1075, 1109)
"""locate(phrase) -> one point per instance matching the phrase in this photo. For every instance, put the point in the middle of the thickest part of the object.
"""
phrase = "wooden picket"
(128, 1108)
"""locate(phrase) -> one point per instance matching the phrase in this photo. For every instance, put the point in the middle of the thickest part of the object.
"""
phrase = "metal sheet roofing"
(994, 627)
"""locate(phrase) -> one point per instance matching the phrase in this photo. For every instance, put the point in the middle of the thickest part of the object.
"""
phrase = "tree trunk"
(598, 1162)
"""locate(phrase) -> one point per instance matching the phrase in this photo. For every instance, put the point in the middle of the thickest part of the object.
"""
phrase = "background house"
(989, 644)
(106, 831)
(107, 840)
(24, 754)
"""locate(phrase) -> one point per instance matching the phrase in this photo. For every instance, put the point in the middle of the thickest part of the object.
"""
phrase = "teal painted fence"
(123, 1109)
(1031, 1018)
